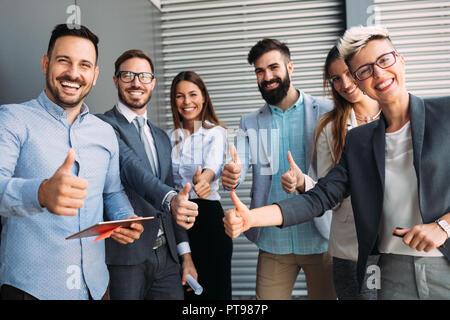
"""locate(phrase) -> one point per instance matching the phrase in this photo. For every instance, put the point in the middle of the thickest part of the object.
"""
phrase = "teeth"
(69, 84)
(136, 93)
(385, 84)
(188, 109)
(352, 90)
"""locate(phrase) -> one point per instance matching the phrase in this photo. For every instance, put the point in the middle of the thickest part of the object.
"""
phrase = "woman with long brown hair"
(198, 149)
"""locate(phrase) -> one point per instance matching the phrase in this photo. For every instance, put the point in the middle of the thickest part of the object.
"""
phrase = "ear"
(290, 68)
(116, 82)
(96, 72)
(44, 64)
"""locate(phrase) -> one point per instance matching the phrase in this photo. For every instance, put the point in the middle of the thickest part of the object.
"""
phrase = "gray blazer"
(145, 191)
(360, 173)
(253, 146)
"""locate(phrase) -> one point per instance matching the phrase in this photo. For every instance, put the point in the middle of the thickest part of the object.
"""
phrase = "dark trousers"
(8, 292)
(211, 252)
(158, 278)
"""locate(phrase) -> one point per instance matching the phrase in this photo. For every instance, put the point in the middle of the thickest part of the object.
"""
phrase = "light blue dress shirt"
(34, 255)
(302, 238)
(205, 147)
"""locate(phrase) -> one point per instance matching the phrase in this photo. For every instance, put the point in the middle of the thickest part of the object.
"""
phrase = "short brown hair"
(133, 53)
(266, 45)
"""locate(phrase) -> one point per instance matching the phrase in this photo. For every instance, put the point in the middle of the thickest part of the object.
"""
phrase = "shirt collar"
(128, 113)
(295, 106)
(55, 110)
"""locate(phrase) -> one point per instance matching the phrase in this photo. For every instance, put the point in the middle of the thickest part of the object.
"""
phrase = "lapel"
(417, 118)
(131, 136)
(379, 141)
(161, 149)
(311, 116)
(264, 135)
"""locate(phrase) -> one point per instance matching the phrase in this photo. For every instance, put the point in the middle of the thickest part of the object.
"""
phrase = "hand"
(188, 267)
(236, 220)
(201, 185)
(63, 193)
(423, 237)
(129, 234)
(231, 172)
(293, 178)
(183, 210)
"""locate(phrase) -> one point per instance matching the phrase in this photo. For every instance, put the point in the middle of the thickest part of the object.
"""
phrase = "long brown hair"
(339, 115)
(207, 112)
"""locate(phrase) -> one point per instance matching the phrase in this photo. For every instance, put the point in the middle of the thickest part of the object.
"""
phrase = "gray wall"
(25, 27)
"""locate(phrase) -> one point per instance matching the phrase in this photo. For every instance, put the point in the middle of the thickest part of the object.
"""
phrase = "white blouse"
(205, 147)
(400, 202)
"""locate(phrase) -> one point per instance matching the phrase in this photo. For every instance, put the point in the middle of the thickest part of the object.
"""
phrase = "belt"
(160, 241)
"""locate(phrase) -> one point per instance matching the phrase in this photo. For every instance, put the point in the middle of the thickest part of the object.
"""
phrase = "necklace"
(367, 119)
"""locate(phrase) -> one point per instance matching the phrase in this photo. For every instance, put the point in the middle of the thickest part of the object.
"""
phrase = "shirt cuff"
(183, 248)
(166, 201)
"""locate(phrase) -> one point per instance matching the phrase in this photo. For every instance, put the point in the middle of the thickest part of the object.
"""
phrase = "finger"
(66, 167)
(234, 154)
(236, 201)
(70, 203)
(197, 174)
(76, 182)
(291, 161)
(185, 191)
(64, 211)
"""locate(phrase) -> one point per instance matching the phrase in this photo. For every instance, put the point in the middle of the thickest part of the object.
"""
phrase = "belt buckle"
(159, 242)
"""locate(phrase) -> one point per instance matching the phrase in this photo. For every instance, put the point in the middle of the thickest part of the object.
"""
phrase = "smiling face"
(385, 85)
(135, 94)
(343, 81)
(273, 74)
(189, 102)
(70, 71)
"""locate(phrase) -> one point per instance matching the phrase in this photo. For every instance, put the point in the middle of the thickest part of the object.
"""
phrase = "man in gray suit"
(285, 123)
(150, 268)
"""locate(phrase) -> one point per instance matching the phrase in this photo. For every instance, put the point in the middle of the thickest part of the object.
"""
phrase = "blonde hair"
(356, 38)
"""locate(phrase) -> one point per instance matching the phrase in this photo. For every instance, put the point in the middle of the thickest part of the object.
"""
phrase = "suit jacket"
(145, 191)
(361, 173)
(255, 132)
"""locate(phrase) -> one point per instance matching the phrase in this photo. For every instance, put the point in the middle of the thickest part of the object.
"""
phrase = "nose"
(377, 71)
(73, 71)
(347, 81)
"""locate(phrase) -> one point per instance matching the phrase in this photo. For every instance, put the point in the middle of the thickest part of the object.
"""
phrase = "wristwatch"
(167, 200)
(444, 225)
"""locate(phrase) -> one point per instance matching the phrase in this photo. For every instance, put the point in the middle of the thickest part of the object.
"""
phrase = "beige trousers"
(277, 273)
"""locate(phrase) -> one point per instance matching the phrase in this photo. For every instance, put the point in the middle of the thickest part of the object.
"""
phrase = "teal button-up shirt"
(302, 238)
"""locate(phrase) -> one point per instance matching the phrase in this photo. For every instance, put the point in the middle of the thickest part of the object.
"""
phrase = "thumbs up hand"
(293, 178)
(236, 220)
(201, 184)
(231, 172)
(183, 210)
(63, 193)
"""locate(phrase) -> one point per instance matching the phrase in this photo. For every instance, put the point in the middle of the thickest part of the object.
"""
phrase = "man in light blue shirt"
(285, 123)
(59, 173)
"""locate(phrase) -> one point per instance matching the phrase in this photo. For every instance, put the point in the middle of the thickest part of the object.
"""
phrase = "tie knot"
(140, 121)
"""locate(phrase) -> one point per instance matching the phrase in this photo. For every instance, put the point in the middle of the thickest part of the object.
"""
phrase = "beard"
(67, 102)
(133, 104)
(275, 96)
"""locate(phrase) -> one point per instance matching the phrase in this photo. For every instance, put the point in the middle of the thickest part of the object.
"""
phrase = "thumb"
(291, 161)
(185, 191)
(234, 154)
(197, 174)
(68, 163)
(236, 201)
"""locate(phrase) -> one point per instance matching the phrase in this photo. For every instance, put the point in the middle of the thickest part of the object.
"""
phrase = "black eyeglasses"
(128, 76)
(384, 61)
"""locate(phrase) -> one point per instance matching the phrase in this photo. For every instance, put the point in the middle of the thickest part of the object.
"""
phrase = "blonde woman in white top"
(351, 109)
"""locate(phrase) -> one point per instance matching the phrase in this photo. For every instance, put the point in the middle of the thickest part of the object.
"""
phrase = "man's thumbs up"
(183, 210)
(293, 178)
(231, 172)
(63, 193)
